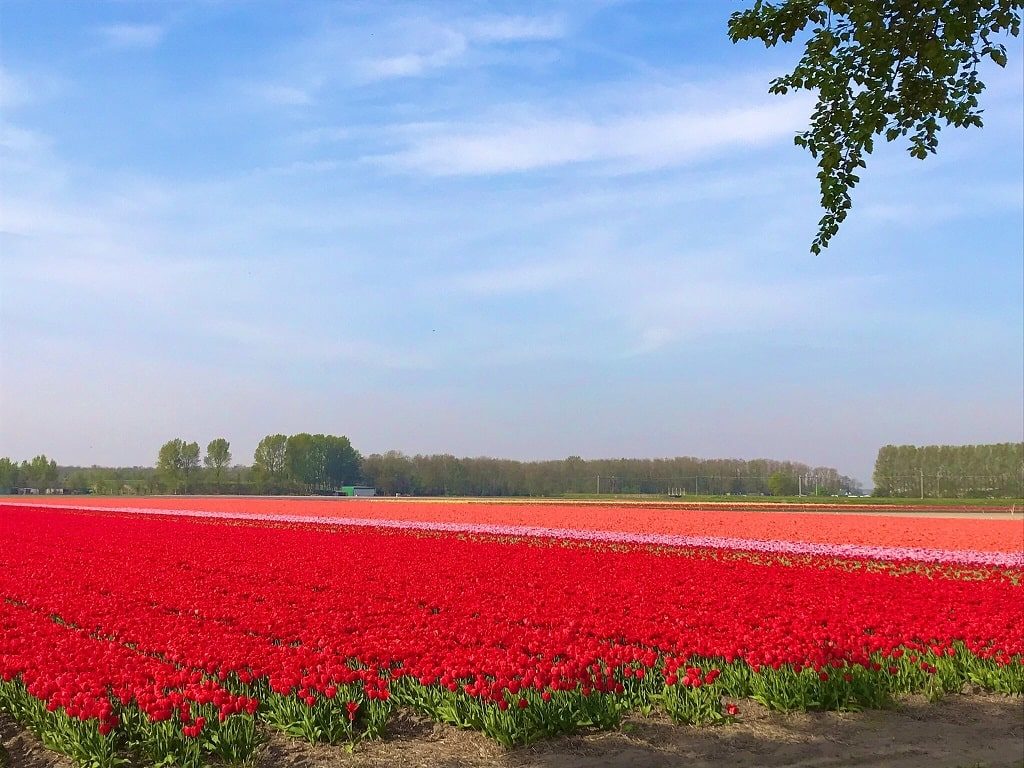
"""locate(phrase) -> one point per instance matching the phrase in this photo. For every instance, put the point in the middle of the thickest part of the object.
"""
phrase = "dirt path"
(958, 732)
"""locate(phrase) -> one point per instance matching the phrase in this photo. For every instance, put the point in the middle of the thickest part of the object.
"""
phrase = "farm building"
(358, 490)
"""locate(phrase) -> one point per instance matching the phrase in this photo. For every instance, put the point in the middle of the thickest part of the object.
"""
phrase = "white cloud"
(508, 29)
(450, 46)
(433, 45)
(648, 140)
(132, 35)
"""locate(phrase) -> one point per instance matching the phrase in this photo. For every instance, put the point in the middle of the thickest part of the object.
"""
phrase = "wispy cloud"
(132, 35)
(446, 46)
(511, 29)
(430, 45)
(401, 206)
(648, 140)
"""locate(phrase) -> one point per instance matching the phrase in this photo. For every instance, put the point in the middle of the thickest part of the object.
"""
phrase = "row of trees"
(305, 463)
(447, 475)
(40, 473)
(301, 463)
(950, 471)
(178, 465)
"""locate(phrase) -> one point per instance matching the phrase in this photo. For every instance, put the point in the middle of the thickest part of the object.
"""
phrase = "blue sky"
(508, 229)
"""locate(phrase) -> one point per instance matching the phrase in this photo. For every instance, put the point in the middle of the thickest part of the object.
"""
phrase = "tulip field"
(181, 631)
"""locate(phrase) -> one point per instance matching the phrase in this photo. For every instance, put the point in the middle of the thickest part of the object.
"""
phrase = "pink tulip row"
(857, 551)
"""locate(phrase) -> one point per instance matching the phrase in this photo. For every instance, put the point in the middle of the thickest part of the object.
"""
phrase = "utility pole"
(922, 483)
(598, 485)
(800, 485)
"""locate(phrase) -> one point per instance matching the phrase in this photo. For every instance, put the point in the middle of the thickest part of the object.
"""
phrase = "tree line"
(285, 464)
(282, 464)
(308, 464)
(446, 475)
(950, 471)
(40, 473)
(305, 463)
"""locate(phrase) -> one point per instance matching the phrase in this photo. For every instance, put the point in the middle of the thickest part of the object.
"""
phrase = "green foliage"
(176, 463)
(950, 471)
(39, 473)
(522, 717)
(694, 706)
(109, 481)
(892, 68)
(447, 475)
(231, 742)
(513, 724)
(269, 462)
(218, 458)
(9, 474)
(328, 720)
(321, 462)
(79, 740)
(782, 484)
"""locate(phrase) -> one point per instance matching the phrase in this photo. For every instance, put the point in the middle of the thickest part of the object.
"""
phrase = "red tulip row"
(92, 698)
(176, 636)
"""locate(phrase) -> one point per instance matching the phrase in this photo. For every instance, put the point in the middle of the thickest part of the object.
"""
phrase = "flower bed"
(158, 635)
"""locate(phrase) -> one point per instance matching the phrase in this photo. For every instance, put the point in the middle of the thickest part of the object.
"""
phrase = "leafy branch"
(892, 68)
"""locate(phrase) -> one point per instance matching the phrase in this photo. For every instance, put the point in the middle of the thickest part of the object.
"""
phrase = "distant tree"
(300, 463)
(189, 463)
(782, 484)
(169, 464)
(950, 471)
(440, 475)
(320, 462)
(218, 458)
(341, 462)
(176, 463)
(8, 473)
(109, 482)
(892, 68)
(40, 473)
(390, 473)
(77, 482)
(269, 461)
